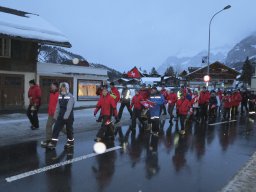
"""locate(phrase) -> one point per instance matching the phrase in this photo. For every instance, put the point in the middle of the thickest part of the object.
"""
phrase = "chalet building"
(83, 81)
(170, 81)
(220, 74)
(21, 35)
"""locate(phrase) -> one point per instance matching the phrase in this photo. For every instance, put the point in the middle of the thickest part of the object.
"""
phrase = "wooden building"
(21, 35)
(220, 76)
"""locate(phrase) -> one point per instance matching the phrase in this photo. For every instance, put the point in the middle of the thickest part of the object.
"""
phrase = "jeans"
(120, 113)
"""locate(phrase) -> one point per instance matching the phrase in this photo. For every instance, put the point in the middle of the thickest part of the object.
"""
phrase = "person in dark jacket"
(125, 102)
(244, 101)
(64, 115)
(165, 95)
(154, 112)
(34, 95)
(107, 105)
(53, 100)
(212, 105)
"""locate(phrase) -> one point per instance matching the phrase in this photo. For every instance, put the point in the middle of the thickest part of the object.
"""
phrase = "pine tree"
(247, 72)
(169, 71)
(154, 72)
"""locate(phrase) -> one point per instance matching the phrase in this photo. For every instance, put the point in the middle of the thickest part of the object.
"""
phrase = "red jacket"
(53, 99)
(172, 98)
(183, 106)
(204, 97)
(164, 93)
(115, 91)
(227, 101)
(34, 95)
(236, 99)
(144, 93)
(136, 102)
(105, 103)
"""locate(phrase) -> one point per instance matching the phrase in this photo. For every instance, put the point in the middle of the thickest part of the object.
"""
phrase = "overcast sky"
(143, 33)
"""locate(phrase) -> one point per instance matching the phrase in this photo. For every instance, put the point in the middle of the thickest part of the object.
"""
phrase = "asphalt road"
(205, 159)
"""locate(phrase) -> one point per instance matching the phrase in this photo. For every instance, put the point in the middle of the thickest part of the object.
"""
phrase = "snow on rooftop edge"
(30, 27)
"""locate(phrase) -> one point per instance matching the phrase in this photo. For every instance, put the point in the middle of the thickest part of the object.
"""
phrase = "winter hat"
(66, 85)
(112, 83)
(32, 82)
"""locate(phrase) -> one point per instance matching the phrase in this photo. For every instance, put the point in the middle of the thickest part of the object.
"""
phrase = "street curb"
(245, 179)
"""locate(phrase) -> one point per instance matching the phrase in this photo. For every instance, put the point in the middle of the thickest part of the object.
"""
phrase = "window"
(86, 90)
(5, 47)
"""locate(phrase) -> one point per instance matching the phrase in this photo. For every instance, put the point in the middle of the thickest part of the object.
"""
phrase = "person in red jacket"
(183, 106)
(203, 102)
(226, 100)
(34, 95)
(53, 99)
(236, 100)
(144, 92)
(137, 106)
(171, 99)
(165, 95)
(114, 92)
(107, 105)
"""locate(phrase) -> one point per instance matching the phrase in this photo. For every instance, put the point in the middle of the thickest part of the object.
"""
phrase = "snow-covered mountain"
(182, 63)
(238, 54)
(51, 54)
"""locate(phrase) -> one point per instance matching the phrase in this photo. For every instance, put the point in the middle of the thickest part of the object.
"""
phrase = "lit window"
(5, 47)
(87, 89)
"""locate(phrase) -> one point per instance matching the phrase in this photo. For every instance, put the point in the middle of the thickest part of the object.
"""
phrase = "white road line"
(50, 167)
(223, 122)
(40, 119)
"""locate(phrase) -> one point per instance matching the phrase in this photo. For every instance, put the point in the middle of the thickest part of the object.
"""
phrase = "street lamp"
(209, 40)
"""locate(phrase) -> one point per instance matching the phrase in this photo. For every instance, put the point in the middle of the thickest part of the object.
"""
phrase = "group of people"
(60, 112)
(147, 105)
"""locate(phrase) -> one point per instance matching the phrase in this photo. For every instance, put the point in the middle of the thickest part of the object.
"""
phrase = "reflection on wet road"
(204, 159)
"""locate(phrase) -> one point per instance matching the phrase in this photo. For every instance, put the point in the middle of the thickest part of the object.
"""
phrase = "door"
(11, 91)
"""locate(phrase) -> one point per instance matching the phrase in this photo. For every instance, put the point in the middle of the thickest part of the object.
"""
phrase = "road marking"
(223, 122)
(54, 166)
(3, 121)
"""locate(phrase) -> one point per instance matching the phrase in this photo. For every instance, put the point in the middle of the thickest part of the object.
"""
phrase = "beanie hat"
(32, 82)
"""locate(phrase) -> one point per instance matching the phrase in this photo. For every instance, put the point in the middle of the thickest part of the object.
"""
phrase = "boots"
(69, 144)
(52, 144)
(45, 143)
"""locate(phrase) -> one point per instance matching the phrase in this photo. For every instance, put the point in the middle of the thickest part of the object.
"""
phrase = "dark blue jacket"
(159, 100)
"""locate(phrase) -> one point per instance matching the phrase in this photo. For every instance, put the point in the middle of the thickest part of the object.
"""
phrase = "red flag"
(134, 73)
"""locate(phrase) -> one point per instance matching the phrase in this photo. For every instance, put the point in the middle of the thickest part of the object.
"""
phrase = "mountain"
(238, 54)
(51, 54)
(182, 63)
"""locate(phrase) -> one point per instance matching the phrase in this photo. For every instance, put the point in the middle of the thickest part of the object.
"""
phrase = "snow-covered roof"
(150, 79)
(22, 25)
(55, 69)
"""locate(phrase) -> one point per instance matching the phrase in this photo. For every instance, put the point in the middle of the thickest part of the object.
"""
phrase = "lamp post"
(209, 40)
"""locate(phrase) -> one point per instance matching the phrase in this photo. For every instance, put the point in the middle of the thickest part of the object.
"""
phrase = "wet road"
(205, 159)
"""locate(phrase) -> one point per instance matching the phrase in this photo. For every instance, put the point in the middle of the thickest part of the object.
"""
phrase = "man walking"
(64, 115)
(108, 106)
(34, 95)
(53, 99)
(125, 102)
